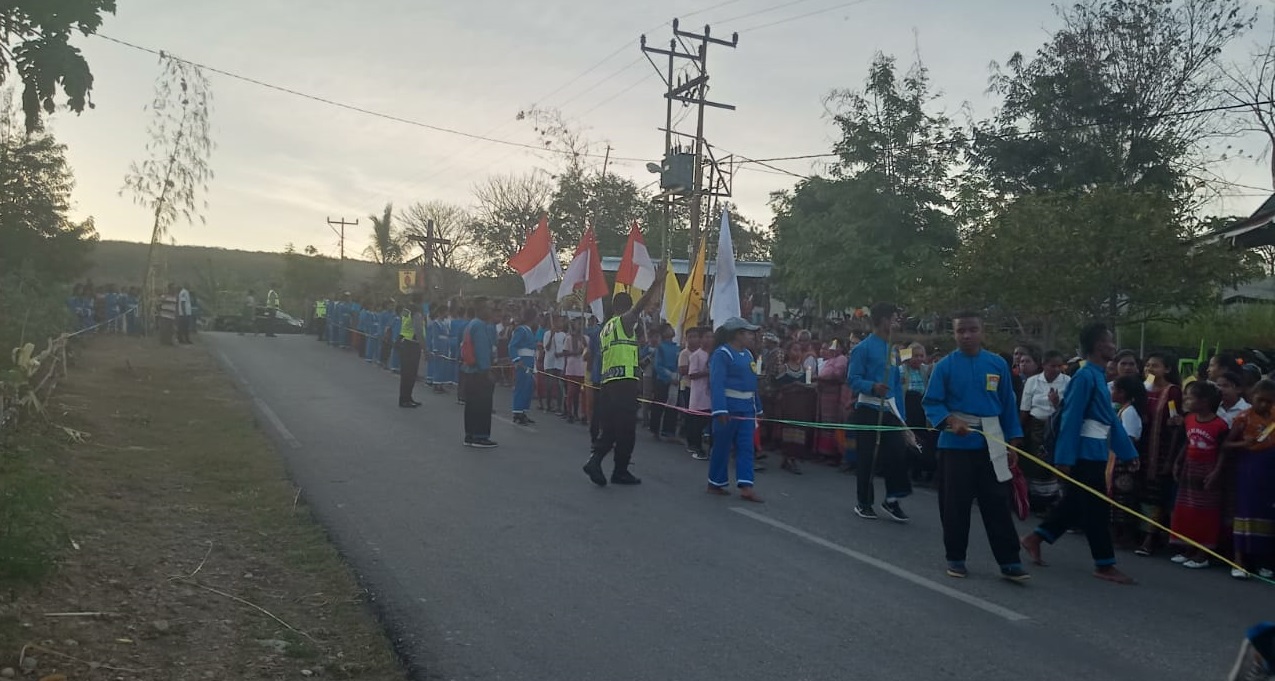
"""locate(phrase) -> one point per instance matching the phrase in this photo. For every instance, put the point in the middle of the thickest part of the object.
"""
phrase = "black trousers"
(880, 451)
(1079, 508)
(321, 326)
(661, 420)
(966, 475)
(478, 393)
(618, 403)
(409, 356)
(695, 425)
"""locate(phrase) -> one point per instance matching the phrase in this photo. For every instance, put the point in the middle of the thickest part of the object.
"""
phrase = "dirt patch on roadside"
(188, 554)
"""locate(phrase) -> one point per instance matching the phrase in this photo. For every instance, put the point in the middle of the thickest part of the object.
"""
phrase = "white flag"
(725, 301)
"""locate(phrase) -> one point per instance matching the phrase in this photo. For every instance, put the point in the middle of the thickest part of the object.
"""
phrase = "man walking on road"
(1089, 431)
(321, 319)
(617, 402)
(478, 346)
(875, 379)
(409, 351)
(970, 396)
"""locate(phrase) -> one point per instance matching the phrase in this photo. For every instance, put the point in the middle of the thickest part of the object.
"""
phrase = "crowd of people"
(107, 308)
(1195, 455)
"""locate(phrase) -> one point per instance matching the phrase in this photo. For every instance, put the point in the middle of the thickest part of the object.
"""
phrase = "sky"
(285, 164)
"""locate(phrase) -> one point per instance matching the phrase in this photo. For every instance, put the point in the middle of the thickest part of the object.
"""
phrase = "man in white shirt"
(185, 315)
(554, 363)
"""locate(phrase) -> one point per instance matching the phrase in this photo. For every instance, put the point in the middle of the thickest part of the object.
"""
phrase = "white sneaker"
(1238, 573)
(1179, 559)
(1196, 564)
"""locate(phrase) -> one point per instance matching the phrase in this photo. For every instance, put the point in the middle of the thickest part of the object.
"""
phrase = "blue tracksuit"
(522, 350)
(732, 372)
(373, 336)
(452, 367)
(440, 347)
(870, 363)
(387, 318)
(1088, 399)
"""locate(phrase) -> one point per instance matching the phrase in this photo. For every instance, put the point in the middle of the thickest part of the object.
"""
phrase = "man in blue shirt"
(662, 420)
(1089, 430)
(522, 352)
(875, 380)
(970, 396)
(476, 353)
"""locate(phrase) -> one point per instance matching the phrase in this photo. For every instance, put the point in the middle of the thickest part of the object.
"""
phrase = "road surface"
(508, 564)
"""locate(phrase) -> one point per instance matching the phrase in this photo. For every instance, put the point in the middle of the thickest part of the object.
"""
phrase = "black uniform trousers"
(880, 451)
(478, 394)
(966, 475)
(1079, 508)
(409, 357)
(617, 410)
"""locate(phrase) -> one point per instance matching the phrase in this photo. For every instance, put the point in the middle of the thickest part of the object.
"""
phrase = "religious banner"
(409, 281)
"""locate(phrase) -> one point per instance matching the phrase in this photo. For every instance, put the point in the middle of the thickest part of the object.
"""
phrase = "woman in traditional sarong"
(1163, 434)
(831, 388)
(1252, 442)
(794, 401)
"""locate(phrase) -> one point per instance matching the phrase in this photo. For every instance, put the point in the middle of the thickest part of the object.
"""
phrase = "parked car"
(283, 322)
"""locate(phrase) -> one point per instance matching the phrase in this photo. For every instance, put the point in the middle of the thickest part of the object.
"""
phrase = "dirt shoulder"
(185, 552)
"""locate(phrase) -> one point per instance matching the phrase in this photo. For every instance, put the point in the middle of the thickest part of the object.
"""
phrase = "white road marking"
(260, 404)
(981, 604)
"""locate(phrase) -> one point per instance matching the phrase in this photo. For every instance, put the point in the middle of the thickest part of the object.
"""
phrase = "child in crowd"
(573, 370)
(1197, 513)
(1130, 397)
(1253, 443)
(700, 402)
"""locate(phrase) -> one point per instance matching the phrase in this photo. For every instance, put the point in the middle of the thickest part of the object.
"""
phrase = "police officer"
(321, 318)
(409, 351)
(617, 403)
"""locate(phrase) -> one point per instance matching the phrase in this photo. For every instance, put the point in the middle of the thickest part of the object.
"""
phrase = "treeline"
(1083, 195)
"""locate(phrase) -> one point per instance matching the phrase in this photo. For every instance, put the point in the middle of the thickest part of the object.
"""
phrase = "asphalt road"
(508, 564)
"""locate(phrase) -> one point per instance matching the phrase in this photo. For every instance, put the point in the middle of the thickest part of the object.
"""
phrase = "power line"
(803, 16)
(764, 10)
(348, 107)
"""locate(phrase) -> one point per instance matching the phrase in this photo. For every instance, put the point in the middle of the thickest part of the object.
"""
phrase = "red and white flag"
(536, 262)
(585, 271)
(636, 269)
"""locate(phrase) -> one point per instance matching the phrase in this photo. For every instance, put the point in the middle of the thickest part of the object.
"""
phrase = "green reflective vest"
(619, 352)
(407, 330)
(272, 300)
(320, 309)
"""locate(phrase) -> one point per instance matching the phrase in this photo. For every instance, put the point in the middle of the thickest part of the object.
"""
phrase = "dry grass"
(179, 534)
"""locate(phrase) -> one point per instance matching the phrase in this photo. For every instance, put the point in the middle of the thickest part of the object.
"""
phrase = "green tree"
(1054, 259)
(387, 245)
(608, 202)
(36, 237)
(35, 41)
(881, 227)
(171, 182)
(1112, 98)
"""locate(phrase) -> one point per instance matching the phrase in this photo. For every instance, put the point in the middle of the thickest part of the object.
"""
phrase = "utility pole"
(341, 233)
(606, 161)
(691, 92)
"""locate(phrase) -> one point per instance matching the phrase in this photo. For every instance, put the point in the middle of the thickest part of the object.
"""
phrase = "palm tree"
(387, 243)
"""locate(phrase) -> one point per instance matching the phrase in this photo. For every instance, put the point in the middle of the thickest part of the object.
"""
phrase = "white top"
(1132, 422)
(555, 342)
(183, 303)
(1229, 415)
(1036, 395)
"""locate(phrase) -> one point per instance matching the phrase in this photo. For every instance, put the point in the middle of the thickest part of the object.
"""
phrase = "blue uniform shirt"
(870, 363)
(481, 338)
(978, 385)
(666, 361)
(1088, 399)
(733, 371)
(522, 346)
